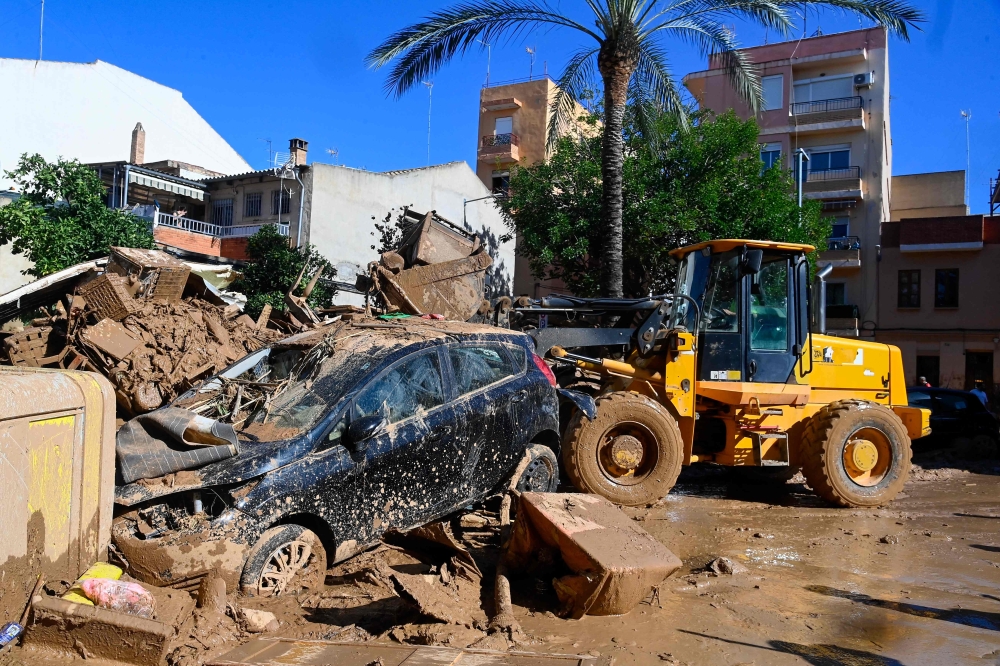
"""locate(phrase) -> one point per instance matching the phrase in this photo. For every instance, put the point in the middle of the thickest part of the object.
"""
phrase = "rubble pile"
(144, 323)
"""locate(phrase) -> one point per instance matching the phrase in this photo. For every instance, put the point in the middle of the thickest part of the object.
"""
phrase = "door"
(490, 390)
(769, 321)
(410, 468)
(720, 355)
(979, 368)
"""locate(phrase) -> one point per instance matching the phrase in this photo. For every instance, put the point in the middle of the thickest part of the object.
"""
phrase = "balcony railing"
(843, 243)
(827, 105)
(501, 140)
(209, 229)
(846, 173)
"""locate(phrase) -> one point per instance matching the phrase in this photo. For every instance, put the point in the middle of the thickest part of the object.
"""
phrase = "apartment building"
(514, 121)
(829, 96)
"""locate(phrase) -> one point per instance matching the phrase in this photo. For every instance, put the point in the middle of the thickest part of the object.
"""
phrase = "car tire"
(630, 453)
(286, 559)
(984, 446)
(843, 439)
(541, 475)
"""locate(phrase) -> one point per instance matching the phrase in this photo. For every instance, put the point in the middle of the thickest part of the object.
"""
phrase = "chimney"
(138, 154)
(298, 149)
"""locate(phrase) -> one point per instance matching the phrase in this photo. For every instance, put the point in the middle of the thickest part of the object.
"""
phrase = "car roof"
(726, 244)
(396, 332)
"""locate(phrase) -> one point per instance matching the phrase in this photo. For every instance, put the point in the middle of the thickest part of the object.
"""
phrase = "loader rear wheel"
(631, 453)
(856, 453)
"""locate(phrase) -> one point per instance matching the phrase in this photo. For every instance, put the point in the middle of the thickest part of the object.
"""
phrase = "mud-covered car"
(358, 428)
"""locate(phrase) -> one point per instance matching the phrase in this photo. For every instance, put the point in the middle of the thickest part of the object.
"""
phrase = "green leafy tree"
(61, 218)
(698, 184)
(273, 268)
(626, 47)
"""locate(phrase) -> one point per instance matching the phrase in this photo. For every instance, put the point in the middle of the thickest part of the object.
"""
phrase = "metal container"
(57, 469)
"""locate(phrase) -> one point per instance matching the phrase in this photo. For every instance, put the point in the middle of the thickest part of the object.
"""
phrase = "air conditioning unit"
(864, 80)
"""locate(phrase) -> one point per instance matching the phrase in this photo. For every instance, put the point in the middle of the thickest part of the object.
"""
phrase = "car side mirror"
(363, 429)
(752, 261)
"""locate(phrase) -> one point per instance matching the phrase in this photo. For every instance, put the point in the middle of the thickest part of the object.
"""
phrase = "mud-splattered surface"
(912, 583)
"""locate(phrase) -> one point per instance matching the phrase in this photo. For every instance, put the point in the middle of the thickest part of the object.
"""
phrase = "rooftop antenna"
(531, 54)
(968, 116)
(270, 153)
(335, 154)
(41, 30)
(430, 96)
(489, 53)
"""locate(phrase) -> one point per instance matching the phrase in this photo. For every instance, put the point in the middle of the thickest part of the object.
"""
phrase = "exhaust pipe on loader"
(821, 276)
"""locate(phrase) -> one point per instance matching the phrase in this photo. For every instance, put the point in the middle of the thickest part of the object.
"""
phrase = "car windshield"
(322, 378)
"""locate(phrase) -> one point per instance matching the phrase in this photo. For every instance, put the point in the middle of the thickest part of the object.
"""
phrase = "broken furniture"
(615, 563)
(159, 274)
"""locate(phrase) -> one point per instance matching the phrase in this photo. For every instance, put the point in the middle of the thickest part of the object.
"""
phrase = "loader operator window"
(769, 305)
(721, 307)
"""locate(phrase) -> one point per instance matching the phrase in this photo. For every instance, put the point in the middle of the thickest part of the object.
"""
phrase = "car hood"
(254, 459)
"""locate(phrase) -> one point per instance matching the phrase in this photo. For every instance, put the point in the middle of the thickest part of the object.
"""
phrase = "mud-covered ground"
(917, 582)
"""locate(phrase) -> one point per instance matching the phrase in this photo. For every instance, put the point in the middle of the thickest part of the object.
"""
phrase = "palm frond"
(717, 41)
(895, 16)
(579, 76)
(423, 48)
(652, 92)
(767, 13)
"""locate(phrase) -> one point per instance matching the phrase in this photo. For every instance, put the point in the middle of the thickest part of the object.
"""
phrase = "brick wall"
(941, 230)
(226, 248)
(235, 248)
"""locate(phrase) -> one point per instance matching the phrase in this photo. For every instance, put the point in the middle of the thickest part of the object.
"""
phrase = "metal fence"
(827, 105)
(844, 173)
(844, 243)
(501, 140)
(209, 229)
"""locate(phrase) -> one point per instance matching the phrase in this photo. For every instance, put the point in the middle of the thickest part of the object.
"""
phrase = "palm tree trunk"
(616, 74)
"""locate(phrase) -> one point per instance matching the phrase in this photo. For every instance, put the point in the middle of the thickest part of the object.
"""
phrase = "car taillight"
(544, 367)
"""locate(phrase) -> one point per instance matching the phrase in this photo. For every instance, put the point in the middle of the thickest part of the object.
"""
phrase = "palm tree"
(627, 50)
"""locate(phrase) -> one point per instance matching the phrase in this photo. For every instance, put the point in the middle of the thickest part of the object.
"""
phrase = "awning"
(165, 185)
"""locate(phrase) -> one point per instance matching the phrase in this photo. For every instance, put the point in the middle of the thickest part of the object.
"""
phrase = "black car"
(955, 415)
(377, 425)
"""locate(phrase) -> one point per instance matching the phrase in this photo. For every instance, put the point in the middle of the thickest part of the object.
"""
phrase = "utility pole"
(968, 116)
(430, 95)
(489, 54)
(41, 30)
(801, 157)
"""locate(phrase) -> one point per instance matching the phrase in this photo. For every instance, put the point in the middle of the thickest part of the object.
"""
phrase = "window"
(816, 90)
(839, 228)
(251, 204)
(946, 288)
(828, 159)
(774, 92)
(503, 125)
(770, 154)
(478, 366)
(769, 306)
(222, 212)
(908, 289)
(501, 182)
(721, 304)
(918, 398)
(409, 387)
(836, 293)
(280, 202)
(953, 403)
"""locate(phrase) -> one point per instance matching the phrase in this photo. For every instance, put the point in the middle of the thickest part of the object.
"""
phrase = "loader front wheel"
(856, 453)
(631, 453)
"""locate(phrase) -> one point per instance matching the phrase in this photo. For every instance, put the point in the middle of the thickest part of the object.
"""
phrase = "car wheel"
(855, 453)
(541, 475)
(287, 559)
(985, 446)
(630, 453)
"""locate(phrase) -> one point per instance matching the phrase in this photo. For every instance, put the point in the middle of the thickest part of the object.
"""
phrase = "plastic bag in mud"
(117, 595)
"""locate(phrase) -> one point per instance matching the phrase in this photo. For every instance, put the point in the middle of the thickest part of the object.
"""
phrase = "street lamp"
(465, 202)
(802, 156)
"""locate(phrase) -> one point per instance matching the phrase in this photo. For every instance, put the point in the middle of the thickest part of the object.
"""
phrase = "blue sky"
(258, 70)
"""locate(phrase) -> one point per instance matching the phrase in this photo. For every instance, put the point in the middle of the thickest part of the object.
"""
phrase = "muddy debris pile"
(145, 321)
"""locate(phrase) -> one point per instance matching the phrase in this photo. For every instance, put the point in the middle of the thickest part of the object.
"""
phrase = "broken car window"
(478, 366)
(413, 385)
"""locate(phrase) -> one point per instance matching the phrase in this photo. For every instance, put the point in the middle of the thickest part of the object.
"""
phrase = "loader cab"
(752, 313)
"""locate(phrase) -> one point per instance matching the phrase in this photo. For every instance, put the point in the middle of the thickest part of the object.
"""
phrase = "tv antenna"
(334, 153)
(41, 30)
(531, 54)
(270, 153)
(489, 53)
(968, 116)
(430, 94)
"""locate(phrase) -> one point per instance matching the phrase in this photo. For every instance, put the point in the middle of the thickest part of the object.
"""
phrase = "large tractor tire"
(856, 453)
(631, 453)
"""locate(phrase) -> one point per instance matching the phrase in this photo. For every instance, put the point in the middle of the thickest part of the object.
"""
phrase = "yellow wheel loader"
(728, 371)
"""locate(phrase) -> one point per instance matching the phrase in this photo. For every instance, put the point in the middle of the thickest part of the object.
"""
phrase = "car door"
(489, 387)
(410, 467)
(948, 415)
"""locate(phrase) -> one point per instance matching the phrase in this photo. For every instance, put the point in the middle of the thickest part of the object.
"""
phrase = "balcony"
(500, 148)
(842, 252)
(833, 184)
(209, 229)
(843, 113)
(206, 238)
